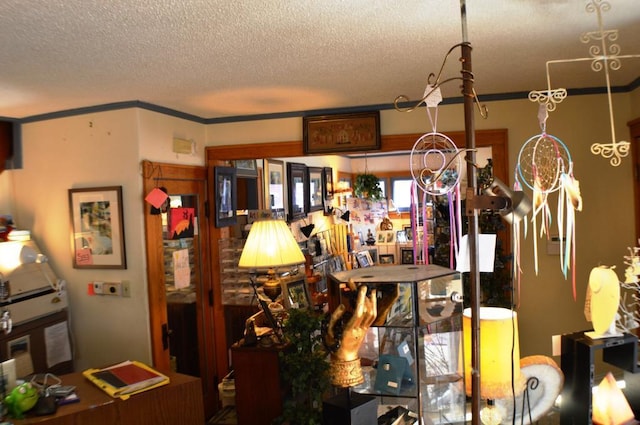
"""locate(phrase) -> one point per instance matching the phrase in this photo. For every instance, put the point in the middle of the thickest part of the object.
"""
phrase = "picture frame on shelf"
(386, 237)
(386, 259)
(408, 230)
(401, 236)
(274, 184)
(406, 256)
(298, 190)
(315, 182)
(341, 133)
(373, 253)
(295, 293)
(225, 181)
(96, 215)
(364, 259)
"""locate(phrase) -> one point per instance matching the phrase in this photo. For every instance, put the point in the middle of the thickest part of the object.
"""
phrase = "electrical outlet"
(97, 288)
(126, 289)
(111, 288)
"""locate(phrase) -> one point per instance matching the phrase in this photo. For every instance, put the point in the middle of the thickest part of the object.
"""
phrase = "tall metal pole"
(472, 214)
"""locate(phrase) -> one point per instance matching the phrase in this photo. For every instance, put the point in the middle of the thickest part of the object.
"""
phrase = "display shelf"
(235, 283)
(413, 359)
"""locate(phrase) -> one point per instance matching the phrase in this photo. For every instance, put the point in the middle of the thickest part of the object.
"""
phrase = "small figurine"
(21, 399)
(370, 239)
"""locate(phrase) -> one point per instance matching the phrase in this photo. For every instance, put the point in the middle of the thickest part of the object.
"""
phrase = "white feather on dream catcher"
(545, 166)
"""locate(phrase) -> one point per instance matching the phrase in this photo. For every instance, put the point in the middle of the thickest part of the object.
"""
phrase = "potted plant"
(367, 186)
(304, 368)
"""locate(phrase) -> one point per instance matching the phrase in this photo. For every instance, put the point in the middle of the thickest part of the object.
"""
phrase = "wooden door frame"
(496, 139)
(153, 174)
(634, 139)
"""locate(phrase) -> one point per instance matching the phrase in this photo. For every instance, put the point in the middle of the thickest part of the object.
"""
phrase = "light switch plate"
(556, 345)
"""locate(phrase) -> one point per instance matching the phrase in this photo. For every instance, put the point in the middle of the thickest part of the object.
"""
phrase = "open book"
(126, 378)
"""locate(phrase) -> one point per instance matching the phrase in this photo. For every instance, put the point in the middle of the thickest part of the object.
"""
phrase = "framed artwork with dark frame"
(406, 256)
(246, 167)
(341, 133)
(298, 190)
(226, 195)
(386, 259)
(315, 189)
(97, 227)
(296, 293)
(327, 183)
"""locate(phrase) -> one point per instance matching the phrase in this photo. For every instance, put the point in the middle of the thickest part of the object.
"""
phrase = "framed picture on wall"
(298, 190)
(274, 184)
(226, 202)
(98, 229)
(327, 179)
(341, 133)
(246, 167)
(315, 189)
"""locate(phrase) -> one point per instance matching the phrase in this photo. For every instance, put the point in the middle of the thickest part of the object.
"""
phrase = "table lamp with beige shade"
(270, 246)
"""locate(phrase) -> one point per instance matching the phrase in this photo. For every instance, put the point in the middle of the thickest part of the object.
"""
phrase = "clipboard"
(125, 379)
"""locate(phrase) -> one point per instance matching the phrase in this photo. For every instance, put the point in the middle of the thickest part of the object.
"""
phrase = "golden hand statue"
(344, 341)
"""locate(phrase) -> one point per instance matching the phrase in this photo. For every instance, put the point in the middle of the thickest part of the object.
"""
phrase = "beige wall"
(87, 151)
(106, 149)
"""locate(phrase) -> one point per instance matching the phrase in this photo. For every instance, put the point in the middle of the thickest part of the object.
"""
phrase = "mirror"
(315, 188)
(274, 184)
(298, 189)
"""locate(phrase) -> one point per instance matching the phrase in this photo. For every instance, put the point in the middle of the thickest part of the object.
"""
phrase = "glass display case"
(411, 358)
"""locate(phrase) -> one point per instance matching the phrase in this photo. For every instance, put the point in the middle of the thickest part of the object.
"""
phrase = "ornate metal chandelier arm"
(435, 85)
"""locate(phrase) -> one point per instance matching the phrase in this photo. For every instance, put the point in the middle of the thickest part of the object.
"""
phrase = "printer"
(29, 288)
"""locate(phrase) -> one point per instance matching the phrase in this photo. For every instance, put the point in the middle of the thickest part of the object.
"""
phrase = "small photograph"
(401, 236)
(382, 238)
(386, 259)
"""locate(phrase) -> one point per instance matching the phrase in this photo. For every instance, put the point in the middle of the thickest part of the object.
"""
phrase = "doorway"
(179, 276)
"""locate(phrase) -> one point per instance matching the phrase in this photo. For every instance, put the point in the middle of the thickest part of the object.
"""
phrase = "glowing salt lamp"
(610, 407)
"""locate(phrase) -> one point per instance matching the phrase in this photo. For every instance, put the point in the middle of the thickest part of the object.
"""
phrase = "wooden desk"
(179, 402)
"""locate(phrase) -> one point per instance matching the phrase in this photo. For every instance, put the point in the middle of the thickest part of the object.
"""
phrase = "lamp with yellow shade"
(270, 245)
(499, 372)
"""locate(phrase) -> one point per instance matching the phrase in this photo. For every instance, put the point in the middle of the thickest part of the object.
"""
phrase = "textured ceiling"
(218, 59)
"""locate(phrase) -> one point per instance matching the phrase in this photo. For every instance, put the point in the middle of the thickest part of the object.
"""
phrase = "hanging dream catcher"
(436, 167)
(545, 166)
